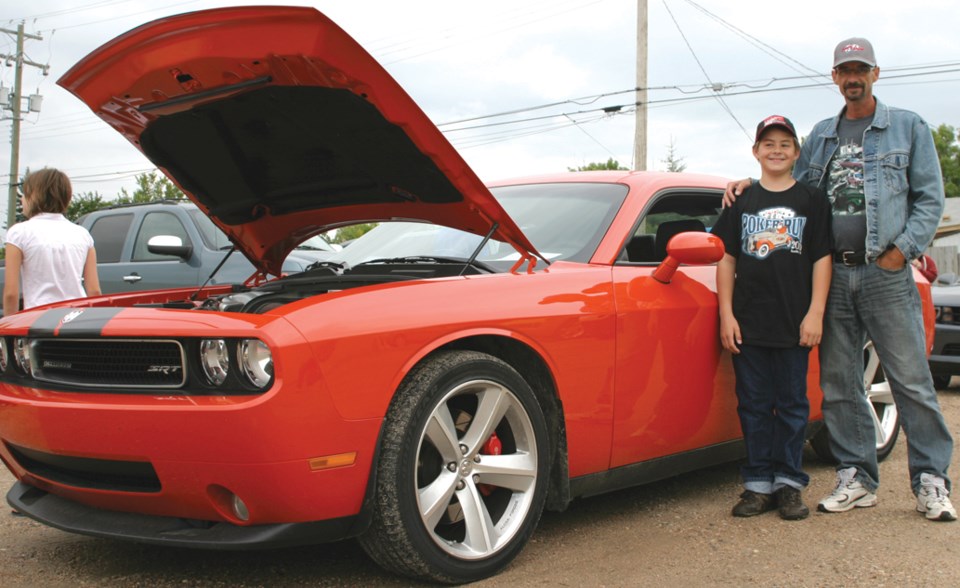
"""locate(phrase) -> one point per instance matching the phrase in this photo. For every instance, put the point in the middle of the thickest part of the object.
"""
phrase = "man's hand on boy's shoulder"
(733, 190)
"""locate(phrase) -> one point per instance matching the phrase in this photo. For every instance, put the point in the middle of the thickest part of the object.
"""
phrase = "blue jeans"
(868, 301)
(773, 409)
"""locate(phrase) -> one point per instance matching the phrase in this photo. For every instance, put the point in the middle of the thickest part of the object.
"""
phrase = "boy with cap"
(772, 287)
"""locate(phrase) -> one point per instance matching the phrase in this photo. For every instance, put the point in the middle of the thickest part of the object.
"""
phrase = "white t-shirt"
(54, 252)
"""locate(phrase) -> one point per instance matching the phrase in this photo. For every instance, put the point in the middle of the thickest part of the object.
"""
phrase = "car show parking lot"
(485, 354)
(676, 532)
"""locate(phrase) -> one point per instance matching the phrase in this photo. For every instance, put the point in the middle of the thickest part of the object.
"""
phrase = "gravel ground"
(677, 532)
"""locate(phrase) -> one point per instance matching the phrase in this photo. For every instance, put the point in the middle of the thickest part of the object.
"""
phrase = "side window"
(157, 223)
(109, 234)
(671, 213)
(211, 234)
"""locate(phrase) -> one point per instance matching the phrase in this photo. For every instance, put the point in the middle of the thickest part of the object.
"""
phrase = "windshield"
(318, 243)
(564, 221)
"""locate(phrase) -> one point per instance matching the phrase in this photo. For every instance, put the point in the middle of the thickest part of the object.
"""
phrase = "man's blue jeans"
(773, 409)
(868, 301)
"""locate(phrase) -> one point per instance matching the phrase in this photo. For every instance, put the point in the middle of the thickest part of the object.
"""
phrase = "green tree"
(594, 166)
(352, 232)
(151, 187)
(945, 138)
(673, 161)
(83, 203)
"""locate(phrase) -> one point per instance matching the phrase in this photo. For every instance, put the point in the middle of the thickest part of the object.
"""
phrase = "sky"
(564, 68)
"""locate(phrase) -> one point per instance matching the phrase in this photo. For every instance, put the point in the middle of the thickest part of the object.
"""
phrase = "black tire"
(941, 382)
(438, 443)
(886, 416)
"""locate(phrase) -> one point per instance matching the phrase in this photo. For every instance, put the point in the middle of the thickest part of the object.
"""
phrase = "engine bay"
(327, 277)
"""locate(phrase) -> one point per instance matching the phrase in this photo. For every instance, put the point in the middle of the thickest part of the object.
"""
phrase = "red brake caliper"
(493, 446)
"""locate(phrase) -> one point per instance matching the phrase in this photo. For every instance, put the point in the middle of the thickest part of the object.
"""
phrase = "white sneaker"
(849, 493)
(933, 500)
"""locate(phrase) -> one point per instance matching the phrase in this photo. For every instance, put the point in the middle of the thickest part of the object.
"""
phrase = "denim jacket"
(903, 188)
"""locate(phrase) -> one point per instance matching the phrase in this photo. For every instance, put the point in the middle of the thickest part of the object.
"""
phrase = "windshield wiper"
(334, 265)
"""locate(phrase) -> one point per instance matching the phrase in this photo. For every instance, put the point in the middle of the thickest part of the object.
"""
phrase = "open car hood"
(279, 126)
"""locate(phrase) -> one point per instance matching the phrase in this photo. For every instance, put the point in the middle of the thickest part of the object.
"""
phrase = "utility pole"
(14, 105)
(640, 137)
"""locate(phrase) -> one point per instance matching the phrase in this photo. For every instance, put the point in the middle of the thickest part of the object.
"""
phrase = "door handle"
(132, 278)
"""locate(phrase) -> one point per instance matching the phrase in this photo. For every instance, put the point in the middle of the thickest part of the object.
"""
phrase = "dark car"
(945, 359)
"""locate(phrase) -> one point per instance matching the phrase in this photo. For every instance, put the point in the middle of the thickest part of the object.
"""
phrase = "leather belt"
(850, 258)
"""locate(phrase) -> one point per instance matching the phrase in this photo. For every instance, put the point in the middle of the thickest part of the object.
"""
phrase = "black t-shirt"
(776, 238)
(844, 185)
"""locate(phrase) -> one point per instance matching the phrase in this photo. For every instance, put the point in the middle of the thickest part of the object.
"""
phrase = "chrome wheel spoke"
(870, 366)
(435, 498)
(878, 428)
(481, 535)
(493, 404)
(517, 471)
(883, 411)
(442, 433)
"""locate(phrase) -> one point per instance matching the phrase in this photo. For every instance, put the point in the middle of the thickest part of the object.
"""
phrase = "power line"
(771, 51)
(73, 10)
(626, 108)
(122, 16)
(704, 70)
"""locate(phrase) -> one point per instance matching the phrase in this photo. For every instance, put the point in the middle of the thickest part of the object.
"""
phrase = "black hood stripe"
(86, 322)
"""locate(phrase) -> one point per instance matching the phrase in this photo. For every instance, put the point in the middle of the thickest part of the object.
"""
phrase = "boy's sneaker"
(791, 504)
(849, 493)
(753, 503)
(933, 499)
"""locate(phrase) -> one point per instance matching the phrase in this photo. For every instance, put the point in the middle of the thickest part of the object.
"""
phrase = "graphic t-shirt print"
(845, 185)
(772, 229)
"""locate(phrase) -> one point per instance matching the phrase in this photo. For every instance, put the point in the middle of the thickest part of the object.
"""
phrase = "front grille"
(951, 349)
(128, 363)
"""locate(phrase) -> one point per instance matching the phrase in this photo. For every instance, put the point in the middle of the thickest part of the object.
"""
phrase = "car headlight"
(256, 362)
(214, 360)
(4, 354)
(21, 351)
(945, 314)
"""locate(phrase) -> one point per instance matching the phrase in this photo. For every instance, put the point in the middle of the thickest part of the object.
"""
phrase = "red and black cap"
(775, 120)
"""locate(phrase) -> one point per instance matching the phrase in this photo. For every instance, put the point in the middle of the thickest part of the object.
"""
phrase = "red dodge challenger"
(482, 354)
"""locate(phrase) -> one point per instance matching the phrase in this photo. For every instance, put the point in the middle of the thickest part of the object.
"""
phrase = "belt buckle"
(847, 262)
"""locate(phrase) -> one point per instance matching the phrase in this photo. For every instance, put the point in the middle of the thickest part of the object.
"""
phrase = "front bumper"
(74, 517)
(190, 457)
(945, 358)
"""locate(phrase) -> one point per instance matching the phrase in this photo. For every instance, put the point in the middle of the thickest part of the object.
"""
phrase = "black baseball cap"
(775, 120)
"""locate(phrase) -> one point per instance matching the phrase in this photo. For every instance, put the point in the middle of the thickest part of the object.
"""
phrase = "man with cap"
(880, 169)
(772, 286)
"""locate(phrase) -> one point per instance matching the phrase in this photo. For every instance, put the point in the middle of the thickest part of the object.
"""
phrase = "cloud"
(466, 59)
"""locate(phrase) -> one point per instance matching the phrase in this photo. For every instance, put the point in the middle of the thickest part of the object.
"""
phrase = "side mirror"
(169, 245)
(690, 248)
(947, 279)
